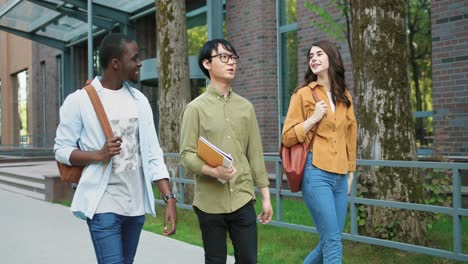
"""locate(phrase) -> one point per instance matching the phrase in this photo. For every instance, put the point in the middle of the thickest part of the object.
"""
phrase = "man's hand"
(224, 173)
(267, 213)
(267, 210)
(170, 217)
(111, 148)
(219, 172)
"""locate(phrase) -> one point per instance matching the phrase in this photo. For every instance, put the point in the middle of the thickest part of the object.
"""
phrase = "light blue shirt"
(79, 124)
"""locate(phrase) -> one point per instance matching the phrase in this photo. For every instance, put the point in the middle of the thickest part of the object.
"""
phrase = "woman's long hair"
(336, 72)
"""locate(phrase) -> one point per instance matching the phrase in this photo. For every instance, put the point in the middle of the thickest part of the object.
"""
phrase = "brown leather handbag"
(293, 158)
(73, 173)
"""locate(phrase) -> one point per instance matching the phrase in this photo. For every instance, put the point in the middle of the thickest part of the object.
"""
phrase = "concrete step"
(23, 181)
(24, 190)
(33, 186)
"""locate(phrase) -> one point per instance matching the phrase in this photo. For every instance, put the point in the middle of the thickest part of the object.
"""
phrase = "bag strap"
(101, 114)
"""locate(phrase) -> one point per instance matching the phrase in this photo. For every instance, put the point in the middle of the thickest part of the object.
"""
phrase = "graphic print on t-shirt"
(129, 158)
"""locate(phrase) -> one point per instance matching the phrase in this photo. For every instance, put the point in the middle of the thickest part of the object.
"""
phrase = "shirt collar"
(96, 83)
(214, 91)
(312, 85)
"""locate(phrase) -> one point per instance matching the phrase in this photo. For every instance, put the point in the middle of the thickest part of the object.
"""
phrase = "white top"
(332, 105)
(124, 194)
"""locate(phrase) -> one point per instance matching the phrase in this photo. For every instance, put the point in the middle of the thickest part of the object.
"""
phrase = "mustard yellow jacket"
(334, 145)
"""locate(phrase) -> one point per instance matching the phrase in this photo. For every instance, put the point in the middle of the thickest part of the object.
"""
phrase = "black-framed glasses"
(223, 57)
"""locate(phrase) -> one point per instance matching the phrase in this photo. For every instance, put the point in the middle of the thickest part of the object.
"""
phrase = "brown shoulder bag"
(293, 158)
(72, 173)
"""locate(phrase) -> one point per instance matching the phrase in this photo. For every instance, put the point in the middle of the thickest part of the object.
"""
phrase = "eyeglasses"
(223, 57)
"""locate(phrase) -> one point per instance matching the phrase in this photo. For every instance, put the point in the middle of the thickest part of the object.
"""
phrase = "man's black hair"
(111, 48)
(208, 47)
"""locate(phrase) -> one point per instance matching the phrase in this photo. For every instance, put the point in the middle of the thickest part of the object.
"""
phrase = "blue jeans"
(326, 197)
(115, 237)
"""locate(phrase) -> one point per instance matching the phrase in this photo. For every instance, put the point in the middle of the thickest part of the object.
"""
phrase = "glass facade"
(287, 57)
(288, 67)
(23, 115)
(288, 12)
(1, 111)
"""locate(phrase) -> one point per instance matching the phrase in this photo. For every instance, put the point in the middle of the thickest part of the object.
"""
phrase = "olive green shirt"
(230, 124)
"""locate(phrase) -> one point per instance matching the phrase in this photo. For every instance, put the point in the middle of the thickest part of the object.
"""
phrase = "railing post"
(456, 185)
(279, 181)
(353, 207)
(182, 185)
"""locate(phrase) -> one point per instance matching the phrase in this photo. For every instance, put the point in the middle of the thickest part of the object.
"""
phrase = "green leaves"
(326, 23)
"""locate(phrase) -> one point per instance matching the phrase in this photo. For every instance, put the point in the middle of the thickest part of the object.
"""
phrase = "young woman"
(331, 161)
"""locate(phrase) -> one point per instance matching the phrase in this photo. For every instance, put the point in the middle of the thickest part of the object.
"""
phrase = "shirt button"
(232, 190)
(228, 137)
(227, 119)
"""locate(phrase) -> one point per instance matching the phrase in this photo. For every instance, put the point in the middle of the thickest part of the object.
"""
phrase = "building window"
(288, 12)
(44, 107)
(0, 111)
(59, 80)
(289, 79)
(22, 83)
(287, 57)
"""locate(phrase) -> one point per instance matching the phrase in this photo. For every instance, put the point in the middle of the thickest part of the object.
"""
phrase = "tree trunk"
(386, 130)
(173, 72)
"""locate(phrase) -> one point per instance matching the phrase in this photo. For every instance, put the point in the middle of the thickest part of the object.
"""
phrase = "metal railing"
(456, 211)
(30, 145)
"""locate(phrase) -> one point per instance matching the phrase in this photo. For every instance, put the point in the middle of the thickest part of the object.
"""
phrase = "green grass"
(281, 245)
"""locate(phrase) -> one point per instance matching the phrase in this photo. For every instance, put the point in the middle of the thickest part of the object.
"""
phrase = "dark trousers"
(242, 228)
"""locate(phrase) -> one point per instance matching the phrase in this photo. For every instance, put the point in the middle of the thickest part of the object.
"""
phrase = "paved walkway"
(37, 232)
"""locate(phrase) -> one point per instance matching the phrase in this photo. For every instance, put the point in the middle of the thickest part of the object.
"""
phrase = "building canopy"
(61, 23)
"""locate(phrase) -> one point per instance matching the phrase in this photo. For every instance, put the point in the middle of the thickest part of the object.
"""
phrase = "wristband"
(169, 196)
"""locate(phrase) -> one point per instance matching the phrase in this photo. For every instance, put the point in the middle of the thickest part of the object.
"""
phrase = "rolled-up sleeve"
(189, 132)
(351, 136)
(255, 153)
(69, 129)
(293, 128)
(157, 167)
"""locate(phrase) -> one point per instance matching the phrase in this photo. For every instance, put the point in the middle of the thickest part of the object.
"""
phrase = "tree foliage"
(420, 51)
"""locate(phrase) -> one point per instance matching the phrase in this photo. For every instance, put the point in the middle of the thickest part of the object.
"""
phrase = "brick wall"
(307, 35)
(251, 28)
(450, 76)
(46, 55)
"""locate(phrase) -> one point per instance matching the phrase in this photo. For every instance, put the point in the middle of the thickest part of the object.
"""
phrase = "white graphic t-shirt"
(124, 194)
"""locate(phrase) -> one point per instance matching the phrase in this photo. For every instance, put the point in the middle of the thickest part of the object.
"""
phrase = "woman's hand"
(320, 111)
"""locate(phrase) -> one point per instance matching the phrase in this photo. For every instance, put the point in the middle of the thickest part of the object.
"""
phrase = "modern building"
(44, 57)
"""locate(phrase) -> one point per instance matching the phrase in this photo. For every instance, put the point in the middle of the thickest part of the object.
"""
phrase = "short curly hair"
(112, 47)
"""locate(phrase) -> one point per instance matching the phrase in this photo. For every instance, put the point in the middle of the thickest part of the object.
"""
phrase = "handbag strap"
(101, 114)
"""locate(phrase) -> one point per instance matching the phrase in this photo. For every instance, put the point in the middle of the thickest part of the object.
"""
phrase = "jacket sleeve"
(351, 136)
(293, 128)
(157, 166)
(189, 132)
(69, 129)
